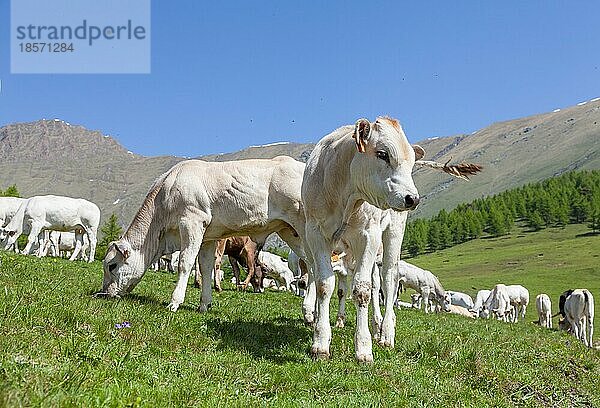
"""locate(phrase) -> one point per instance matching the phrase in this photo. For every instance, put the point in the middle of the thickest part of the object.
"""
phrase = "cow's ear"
(419, 152)
(124, 248)
(362, 132)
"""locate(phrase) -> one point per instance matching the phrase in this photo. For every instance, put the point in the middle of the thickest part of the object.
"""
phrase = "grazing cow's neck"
(145, 230)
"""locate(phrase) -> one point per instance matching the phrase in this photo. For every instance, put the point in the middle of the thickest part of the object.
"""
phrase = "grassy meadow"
(61, 346)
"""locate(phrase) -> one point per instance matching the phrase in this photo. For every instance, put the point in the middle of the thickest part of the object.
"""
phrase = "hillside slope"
(253, 349)
(52, 156)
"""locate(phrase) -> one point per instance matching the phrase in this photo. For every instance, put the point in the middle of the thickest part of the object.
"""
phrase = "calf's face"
(382, 169)
(123, 269)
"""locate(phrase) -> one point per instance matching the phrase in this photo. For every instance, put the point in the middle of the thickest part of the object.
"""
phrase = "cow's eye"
(383, 155)
(11, 233)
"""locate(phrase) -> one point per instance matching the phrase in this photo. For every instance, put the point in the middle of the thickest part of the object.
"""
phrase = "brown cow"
(241, 251)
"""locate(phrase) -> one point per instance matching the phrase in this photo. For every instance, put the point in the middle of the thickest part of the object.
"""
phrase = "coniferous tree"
(111, 231)
(11, 191)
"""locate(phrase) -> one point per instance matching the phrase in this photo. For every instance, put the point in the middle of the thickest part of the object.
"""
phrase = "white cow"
(459, 299)
(196, 203)
(544, 310)
(425, 283)
(58, 243)
(55, 213)
(275, 267)
(8, 208)
(519, 299)
(458, 310)
(352, 175)
(578, 312)
(499, 303)
(480, 299)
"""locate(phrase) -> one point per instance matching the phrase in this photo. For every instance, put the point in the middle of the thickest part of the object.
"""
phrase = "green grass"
(60, 346)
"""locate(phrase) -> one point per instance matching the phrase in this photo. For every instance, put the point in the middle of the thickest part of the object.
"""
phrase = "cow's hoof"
(386, 343)
(218, 290)
(203, 308)
(173, 306)
(309, 319)
(364, 358)
(340, 323)
(317, 354)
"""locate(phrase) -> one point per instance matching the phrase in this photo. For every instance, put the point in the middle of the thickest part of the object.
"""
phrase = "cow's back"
(240, 197)
(9, 207)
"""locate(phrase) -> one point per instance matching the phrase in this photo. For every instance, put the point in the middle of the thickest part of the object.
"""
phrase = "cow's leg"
(425, 299)
(325, 283)
(376, 286)
(309, 301)
(365, 246)
(583, 331)
(78, 245)
(236, 271)
(32, 237)
(206, 257)
(92, 234)
(41, 242)
(191, 232)
(392, 237)
(590, 322)
(342, 292)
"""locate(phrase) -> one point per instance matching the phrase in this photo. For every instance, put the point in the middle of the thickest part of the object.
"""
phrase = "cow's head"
(123, 268)
(446, 301)
(382, 169)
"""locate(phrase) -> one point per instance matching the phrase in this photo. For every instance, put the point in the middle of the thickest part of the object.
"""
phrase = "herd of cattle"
(351, 199)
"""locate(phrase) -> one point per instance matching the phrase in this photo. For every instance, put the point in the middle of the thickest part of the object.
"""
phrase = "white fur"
(543, 305)
(196, 203)
(56, 213)
(344, 190)
(579, 315)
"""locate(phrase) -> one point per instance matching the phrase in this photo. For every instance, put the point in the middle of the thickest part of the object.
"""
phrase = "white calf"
(544, 310)
(424, 282)
(519, 299)
(499, 303)
(458, 310)
(276, 268)
(54, 213)
(459, 299)
(480, 299)
(579, 315)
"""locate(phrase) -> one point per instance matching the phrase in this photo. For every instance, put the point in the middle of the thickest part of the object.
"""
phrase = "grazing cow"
(352, 175)
(425, 283)
(275, 267)
(499, 303)
(578, 312)
(519, 299)
(458, 310)
(544, 310)
(459, 299)
(241, 252)
(55, 213)
(196, 203)
(8, 208)
(480, 299)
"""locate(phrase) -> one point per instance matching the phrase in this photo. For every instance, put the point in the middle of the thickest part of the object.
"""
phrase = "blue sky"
(226, 75)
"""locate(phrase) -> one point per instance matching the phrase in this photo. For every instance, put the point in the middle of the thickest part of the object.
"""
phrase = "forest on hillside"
(571, 198)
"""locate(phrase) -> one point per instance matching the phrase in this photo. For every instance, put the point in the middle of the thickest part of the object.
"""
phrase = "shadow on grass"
(139, 299)
(587, 234)
(277, 341)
